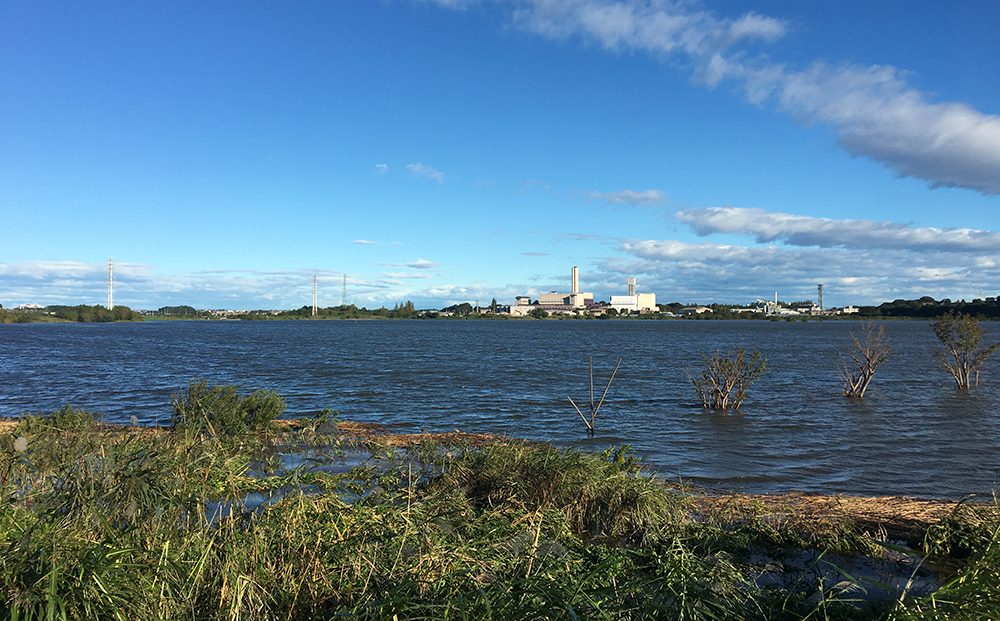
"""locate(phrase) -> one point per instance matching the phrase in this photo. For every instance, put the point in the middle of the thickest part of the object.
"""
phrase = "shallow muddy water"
(914, 435)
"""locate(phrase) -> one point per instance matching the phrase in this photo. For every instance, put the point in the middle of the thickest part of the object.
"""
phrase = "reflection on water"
(914, 435)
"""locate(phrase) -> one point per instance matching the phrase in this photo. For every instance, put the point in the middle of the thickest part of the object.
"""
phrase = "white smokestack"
(631, 286)
(576, 280)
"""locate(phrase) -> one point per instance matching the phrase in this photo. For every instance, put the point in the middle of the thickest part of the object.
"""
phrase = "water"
(914, 435)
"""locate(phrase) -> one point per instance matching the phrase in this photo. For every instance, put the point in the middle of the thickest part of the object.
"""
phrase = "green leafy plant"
(963, 351)
(222, 411)
(66, 418)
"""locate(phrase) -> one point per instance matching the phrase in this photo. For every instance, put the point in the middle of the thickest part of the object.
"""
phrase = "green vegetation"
(929, 308)
(405, 310)
(108, 523)
(222, 411)
(179, 311)
(10, 316)
(80, 314)
(88, 314)
(67, 418)
(963, 350)
(724, 381)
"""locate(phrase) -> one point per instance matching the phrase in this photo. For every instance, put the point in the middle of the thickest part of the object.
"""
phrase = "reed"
(119, 524)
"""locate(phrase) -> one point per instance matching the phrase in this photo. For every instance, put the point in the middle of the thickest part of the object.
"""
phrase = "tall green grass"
(111, 524)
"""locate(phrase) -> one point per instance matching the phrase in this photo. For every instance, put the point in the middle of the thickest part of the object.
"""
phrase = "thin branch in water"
(594, 410)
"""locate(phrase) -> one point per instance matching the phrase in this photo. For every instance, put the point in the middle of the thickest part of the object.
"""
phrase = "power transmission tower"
(343, 293)
(111, 283)
(314, 296)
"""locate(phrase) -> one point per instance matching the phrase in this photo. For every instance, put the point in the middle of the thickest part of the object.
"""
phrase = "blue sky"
(446, 151)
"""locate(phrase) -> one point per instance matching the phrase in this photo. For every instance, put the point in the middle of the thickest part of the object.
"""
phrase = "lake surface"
(915, 434)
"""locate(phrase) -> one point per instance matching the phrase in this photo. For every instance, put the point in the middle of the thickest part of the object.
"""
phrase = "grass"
(110, 523)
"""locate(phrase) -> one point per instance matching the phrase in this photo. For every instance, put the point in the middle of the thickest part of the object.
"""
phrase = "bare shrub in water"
(867, 354)
(724, 382)
(963, 350)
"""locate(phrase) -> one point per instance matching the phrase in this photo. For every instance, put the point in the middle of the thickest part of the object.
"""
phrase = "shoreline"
(888, 516)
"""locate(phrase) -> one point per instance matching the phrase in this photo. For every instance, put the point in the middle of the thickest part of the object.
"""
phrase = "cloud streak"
(768, 227)
(648, 198)
(873, 111)
(419, 264)
(425, 172)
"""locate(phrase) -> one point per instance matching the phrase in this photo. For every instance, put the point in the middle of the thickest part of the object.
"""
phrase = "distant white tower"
(314, 296)
(631, 286)
(111, 283)
(576, 280)
(343, 292)
(820, 286)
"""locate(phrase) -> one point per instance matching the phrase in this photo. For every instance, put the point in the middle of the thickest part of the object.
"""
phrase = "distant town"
(574, 304)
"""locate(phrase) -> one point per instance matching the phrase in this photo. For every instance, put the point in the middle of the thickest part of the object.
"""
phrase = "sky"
(448, 151)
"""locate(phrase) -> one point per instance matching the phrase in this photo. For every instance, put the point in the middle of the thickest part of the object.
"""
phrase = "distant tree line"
(93, 314)
(929, 308)
(79, 314)
(179, 311)
(405, 310)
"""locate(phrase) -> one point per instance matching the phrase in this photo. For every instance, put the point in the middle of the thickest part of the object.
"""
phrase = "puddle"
(842, 577)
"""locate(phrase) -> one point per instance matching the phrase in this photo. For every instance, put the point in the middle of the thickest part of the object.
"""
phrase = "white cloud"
(425, 172)
(406, 275)
(141, 287)
(72, 270)
(630, 197)
(873, 111)
(648, 25)
(877, 115)
(767, 227)
(684, 271)
(535, 254)
(419, 264)
(363, 241)
(381, 169)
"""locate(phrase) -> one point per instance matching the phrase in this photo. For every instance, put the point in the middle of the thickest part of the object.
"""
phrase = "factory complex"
(634, 303)
(576, 302)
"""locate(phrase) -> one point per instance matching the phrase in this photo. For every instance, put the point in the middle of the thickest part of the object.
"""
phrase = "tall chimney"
(576, 280)
(631, 286)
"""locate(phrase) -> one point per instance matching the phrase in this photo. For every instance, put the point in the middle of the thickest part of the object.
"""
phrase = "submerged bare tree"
(594, 410)
(963, 350)
(867, 353)
(724, 382)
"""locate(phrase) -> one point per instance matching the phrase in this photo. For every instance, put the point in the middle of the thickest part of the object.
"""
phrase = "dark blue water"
(915, 434)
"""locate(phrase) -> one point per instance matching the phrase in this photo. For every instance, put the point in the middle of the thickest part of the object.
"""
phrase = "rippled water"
(915, 434)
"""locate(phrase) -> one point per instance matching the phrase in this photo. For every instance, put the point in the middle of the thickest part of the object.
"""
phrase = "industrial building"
(634, 302)
(556, 302)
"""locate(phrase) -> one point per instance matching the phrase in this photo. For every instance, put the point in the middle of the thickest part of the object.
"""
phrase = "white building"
(634, 302)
